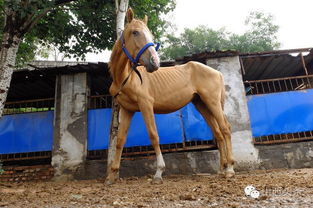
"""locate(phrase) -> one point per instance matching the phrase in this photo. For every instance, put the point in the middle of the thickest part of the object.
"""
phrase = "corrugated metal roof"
(203, 56)
(39, 81)
(275, 64)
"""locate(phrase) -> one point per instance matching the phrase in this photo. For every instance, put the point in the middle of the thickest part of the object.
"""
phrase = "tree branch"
(30, 24)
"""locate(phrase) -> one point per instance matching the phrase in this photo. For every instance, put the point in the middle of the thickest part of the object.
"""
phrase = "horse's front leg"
(113, 170)
(146, 109)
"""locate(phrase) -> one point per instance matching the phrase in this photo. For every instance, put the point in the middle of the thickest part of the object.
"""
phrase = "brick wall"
(26, 173)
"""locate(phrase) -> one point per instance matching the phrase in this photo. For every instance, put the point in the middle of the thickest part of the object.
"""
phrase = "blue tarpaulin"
(279, 113)
(99, 128)
(171, 128)
(30, 132)
(168, 125)
(195, 127)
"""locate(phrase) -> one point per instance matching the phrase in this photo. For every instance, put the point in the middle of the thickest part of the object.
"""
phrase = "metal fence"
(105, 101)
(141, 151)
(25, 156)
(267, 86)
(100, 101)
(257, 87)
(27, 106)
(95, 102)
(284, 138)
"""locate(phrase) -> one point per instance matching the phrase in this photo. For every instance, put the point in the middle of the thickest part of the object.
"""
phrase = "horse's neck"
(119, 66)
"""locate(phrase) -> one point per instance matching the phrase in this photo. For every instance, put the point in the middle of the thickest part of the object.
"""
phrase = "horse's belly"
(172, 104)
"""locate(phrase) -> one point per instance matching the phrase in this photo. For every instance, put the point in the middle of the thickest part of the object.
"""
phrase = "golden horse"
(153, 89)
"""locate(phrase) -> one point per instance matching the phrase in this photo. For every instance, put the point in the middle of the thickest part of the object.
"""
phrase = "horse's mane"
(115, 55)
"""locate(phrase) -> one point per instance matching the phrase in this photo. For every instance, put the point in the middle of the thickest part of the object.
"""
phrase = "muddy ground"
(278, 188)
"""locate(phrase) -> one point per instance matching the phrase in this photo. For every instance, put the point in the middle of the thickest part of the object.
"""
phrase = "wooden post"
(305, 70)
(303, 64)
(243, 71)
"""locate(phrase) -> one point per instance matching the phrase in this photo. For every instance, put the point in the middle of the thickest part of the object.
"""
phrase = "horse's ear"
(145, 19)
(130, 15)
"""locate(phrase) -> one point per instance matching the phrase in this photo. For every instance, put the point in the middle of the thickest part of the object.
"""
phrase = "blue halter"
(135, 62)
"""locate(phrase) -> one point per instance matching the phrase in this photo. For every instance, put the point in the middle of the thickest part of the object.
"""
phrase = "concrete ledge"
(291, 155)
(176, 163)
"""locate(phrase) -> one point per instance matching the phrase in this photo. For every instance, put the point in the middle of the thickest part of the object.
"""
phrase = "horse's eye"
(135, 33)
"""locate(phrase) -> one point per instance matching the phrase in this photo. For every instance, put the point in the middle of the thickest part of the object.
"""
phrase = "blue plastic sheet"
(169, 128)
(29, 132)
(196, 129)
(168, 125)
(279, 113)
(99, 128)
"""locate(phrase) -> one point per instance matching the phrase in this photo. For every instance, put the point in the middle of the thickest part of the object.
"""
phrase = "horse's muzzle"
(154, 61)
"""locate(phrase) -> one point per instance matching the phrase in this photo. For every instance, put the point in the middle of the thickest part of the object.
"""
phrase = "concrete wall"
(70, 126)
(291, 155)
(236, 110)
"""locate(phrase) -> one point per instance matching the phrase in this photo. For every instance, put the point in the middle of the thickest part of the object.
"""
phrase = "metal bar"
(269, 87)
(27, 101)
(274, 86)
(278, 79)
(291, 85)
(171, 150)
(25, 156)
(283, 141)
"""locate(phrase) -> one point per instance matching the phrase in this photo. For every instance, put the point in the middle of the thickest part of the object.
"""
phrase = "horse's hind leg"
(230, 157)
(215, 107)
(113, 170)
(208, 117)
(148, 115)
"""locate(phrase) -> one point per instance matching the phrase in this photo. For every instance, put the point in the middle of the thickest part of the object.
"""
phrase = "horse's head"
(137, 40)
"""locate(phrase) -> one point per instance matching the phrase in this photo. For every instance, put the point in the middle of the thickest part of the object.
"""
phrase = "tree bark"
(14, 29)
(121, 9)
(120, 20)
(9, 47)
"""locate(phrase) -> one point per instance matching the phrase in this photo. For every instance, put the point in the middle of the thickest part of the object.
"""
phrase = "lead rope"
(122, 85)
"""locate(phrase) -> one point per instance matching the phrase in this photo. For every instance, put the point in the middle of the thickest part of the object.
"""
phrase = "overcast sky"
(293, 17)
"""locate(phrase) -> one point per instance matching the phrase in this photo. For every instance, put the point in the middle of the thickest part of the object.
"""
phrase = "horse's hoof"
(109, 182)
(230, 174)
(157, 181)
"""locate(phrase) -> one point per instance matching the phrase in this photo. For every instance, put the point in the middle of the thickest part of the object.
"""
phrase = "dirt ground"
(278, 188)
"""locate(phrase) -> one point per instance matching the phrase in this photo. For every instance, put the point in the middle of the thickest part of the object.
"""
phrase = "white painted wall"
(236, 110)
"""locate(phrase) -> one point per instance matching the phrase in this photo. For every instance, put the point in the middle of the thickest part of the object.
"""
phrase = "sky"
(292, 17)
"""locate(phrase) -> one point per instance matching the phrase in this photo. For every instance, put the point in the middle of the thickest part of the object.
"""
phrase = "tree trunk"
(120, 20)
(121, 10)
(9, 47)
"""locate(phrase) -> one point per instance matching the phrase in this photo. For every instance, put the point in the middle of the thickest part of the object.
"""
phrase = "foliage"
(260, 36)
(80, 26)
